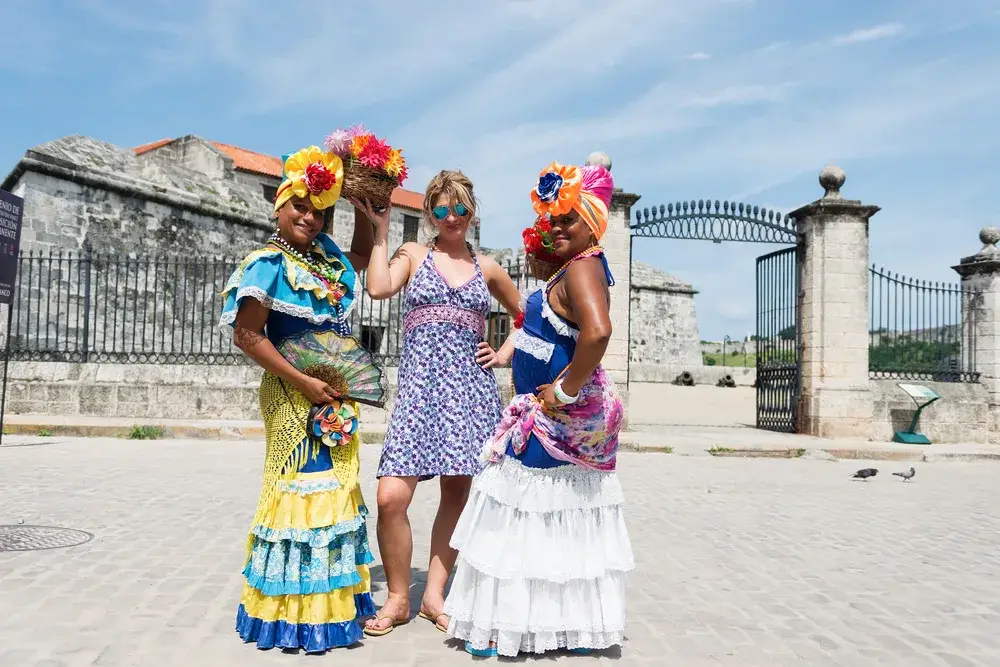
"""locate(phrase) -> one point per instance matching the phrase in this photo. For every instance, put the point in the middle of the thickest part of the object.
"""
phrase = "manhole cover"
(39, 538)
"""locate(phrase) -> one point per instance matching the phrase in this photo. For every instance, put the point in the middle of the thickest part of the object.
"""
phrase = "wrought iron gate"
(778, 340)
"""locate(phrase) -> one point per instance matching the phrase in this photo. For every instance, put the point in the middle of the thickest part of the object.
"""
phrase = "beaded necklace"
(589, 252)
(309, 261)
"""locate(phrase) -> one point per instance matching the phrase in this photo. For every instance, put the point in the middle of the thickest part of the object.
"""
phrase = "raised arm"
(505, 291)
(248, 335)
(385, 278)
(586, 291)
(362, 242)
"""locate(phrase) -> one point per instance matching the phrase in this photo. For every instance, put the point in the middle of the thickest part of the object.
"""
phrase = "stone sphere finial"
(832, 179)
(989, 236)
(603, 159)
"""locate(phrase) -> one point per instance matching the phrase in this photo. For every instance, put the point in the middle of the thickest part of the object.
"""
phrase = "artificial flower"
(358, 144)
(557, 189)
(519, 320)
(318, 178)
(357, 131)
(375, 153)
(338, 142)
(548, 187)
(309, 169)
(532, 240)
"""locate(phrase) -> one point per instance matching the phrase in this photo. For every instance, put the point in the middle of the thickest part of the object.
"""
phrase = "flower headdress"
(314, 173)
(563, 188)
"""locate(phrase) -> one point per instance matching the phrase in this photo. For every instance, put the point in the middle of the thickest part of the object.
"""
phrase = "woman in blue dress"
(543, 547)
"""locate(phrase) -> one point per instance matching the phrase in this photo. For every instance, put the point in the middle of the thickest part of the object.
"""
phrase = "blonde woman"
(448, 403)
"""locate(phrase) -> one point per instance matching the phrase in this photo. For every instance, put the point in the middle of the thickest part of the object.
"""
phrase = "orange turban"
(562, 188)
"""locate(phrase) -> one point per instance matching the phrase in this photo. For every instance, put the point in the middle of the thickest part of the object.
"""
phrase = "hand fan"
(340, 361)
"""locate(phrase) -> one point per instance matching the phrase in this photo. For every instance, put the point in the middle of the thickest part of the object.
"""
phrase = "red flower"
(532, 241)
(375, 154)
(544, 225)
(519, 320)
(318, 178)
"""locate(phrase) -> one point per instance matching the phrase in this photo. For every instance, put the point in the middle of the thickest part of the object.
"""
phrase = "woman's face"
(451, 217)
(299, 222)
(570, 235)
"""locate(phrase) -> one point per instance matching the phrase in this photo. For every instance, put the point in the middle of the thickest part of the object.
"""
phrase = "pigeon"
(907, 476)
(865, 473)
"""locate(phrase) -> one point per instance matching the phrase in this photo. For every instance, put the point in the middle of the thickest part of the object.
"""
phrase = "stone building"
(663, 328)
(174, 198)
(125, 250)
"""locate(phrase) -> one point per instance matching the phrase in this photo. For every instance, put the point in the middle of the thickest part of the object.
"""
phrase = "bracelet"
(562, 396)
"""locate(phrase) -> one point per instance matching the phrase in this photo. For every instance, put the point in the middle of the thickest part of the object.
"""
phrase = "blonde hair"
(457, 187)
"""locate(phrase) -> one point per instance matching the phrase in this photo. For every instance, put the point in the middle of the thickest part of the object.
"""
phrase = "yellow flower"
(358, 144)
(395, 163)
(329, 167)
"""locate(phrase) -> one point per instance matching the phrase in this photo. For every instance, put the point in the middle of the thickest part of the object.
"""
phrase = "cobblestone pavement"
(756, 563)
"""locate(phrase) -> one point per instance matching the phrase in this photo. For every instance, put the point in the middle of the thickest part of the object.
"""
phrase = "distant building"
(190, 197)
(173, 196)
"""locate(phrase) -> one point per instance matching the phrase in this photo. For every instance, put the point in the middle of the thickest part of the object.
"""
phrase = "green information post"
(922, 396)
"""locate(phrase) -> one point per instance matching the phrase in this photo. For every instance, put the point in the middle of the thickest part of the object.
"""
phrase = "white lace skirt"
(542, 560)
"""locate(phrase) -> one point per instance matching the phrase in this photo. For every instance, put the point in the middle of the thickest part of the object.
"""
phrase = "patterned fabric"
(306, 574)
(585, 432)
(447, 405)
(469, 319)
(271, 277)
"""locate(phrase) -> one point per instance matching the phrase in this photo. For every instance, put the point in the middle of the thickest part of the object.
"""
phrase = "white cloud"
(869, 34)
(697, 55)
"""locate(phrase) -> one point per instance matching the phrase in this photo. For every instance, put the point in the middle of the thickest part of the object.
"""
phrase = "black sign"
(11, 214)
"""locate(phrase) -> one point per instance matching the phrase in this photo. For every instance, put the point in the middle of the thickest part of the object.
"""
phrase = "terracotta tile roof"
(269, 165)
(257, 163)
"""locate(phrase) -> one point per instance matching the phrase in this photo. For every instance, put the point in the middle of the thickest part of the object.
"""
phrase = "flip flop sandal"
(433, 618)
(490, 652)
(374, 632)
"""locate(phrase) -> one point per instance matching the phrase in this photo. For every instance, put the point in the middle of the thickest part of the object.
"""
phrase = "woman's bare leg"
(454, 493)
(395, 544)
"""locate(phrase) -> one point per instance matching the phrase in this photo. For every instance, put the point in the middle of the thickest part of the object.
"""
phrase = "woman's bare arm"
(248, 336)
(505, 291)
(362, 242)
(586, 290)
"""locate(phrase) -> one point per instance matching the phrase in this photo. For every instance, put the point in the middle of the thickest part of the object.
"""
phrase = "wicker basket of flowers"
(542, 260)
(372, 168)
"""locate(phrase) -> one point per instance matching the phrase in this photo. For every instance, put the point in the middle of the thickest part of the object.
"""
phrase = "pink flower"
(338, 142)
(375, 154)
(356, 131)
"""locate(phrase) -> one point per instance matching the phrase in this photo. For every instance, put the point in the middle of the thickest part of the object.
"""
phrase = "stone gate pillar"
(981, 317)
(836, 400)
(617, 245)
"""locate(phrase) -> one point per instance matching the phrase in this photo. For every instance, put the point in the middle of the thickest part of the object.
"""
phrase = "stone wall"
(62, 214)
(144, 391)
(962, 414)
(662, 323)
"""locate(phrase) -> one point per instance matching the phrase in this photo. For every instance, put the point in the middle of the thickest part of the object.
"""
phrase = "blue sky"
(717, 99)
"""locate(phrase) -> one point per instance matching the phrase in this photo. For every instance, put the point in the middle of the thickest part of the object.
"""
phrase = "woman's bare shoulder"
(412, 251)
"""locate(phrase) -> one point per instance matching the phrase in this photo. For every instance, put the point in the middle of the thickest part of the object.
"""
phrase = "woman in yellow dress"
(306, 574)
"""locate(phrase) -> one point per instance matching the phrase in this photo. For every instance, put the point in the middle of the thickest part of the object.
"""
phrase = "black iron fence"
(90, 306)
(920, 330)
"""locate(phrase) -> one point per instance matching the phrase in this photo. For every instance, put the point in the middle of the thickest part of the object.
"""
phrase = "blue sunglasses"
(441, 212)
